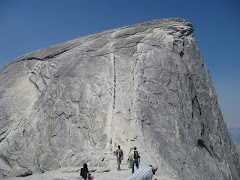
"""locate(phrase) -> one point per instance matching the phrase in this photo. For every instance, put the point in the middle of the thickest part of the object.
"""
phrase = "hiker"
(130, 158)
(144, 173)
(119, 154)
(135, 159)
(85, 173)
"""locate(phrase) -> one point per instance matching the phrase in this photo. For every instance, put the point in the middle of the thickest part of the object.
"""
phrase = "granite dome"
(144, 85)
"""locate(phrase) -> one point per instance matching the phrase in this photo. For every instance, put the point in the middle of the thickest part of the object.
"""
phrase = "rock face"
(235, 133)
(144, 85)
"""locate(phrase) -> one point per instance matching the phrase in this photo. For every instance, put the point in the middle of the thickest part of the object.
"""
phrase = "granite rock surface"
(144, 85)
(235, 133)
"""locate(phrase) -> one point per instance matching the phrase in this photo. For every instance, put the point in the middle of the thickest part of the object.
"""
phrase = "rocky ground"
(99, 174)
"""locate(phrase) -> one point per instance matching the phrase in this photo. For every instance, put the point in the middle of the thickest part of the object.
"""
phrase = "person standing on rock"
(144, 173)
(130, 158)
(119, 154)
(135, 159)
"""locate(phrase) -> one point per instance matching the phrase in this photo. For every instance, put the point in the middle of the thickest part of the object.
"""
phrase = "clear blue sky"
(29, 25)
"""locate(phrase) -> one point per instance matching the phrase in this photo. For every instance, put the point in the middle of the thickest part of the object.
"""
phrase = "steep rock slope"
(144, 85)
(235, 133)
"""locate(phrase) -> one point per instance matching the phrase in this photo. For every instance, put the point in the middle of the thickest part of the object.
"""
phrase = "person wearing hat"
(135, 159)
(144, 173)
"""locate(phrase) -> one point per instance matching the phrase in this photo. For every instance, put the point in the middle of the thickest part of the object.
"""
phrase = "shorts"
(119, 160)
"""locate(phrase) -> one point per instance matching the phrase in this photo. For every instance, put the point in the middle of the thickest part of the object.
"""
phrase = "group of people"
(143, 173)
(134, 158)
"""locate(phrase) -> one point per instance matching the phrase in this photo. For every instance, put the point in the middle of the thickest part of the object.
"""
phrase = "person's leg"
(118, 163)
(133, 162)
(137, 164)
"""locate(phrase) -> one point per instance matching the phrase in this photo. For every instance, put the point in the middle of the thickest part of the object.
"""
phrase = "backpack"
(136, 155)
(119, 153)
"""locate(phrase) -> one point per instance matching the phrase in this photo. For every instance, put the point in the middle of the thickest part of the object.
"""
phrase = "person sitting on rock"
(85, 173)
(144, 173)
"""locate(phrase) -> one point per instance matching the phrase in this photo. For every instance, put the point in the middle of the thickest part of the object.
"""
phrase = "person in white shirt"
(144, 173)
